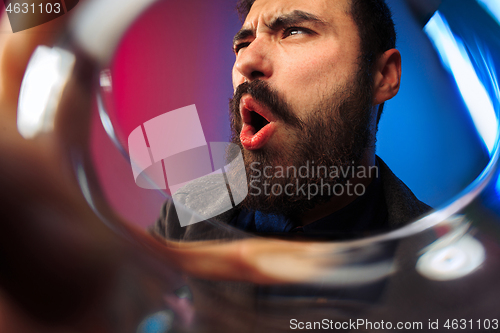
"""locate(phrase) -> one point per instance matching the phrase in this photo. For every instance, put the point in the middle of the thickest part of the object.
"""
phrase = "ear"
(387, 76)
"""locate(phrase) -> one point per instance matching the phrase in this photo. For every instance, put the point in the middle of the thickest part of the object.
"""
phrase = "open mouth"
(258, 124)
(257, 121)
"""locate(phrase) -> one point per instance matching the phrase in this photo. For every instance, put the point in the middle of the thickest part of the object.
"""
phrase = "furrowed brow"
(242, 35)
(286, 20)
(294, 18)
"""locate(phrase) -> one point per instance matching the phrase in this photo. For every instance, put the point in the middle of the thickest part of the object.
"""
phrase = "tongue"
(252, 140)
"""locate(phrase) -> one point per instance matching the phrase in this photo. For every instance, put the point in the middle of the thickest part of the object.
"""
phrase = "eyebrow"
(286, 20)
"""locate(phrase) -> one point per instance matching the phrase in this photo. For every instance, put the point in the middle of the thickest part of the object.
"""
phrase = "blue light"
(456, 60)
(160, 322)
(492, 7)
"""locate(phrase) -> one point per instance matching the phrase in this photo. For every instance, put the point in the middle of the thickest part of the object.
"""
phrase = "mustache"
(263, 94)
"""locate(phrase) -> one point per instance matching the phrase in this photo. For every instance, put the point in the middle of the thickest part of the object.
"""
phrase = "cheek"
(324, 72)
(313, 69)
(315, 79)
(311, 79)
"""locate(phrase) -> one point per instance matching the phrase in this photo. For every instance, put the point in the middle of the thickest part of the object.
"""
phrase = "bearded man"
(311, 79)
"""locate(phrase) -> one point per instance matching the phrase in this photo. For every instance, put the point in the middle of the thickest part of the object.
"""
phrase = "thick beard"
(336, 133)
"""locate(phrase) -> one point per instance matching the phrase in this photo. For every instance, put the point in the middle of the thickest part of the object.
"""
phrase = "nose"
(254, 62)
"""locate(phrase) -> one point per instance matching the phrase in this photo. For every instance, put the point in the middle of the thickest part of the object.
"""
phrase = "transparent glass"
(439, 135)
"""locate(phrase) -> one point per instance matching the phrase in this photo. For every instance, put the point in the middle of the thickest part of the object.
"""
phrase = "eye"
(296, 31)
(239, 46)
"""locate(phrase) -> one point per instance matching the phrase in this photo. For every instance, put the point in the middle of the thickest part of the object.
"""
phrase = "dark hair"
(375, 26)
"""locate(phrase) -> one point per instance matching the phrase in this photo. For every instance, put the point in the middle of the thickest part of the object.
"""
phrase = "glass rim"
(438, 215)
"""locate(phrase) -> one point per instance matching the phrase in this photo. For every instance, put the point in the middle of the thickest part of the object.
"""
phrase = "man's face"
(301, 94)
(304, 58)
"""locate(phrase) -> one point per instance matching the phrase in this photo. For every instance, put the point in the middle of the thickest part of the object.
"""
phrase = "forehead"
(332, 11)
